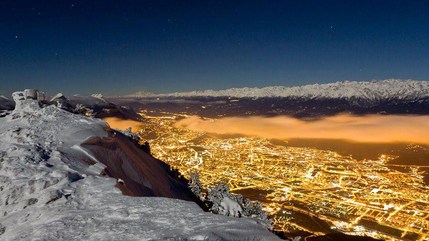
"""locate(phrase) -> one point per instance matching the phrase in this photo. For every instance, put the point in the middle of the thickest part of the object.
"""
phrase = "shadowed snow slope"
(141, 174)
(6, 103)
(50, 187)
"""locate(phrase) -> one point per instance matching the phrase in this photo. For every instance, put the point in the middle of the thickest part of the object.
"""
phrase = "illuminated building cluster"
(301, 188)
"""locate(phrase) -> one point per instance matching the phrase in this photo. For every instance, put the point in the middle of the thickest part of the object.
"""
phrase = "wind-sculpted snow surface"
(50, 188)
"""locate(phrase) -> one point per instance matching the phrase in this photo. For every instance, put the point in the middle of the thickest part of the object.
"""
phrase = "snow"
(98, 96)
(230, 207)
(142, 94)
(50, 189)
(91, 100)
(58, 96)
(373, 90)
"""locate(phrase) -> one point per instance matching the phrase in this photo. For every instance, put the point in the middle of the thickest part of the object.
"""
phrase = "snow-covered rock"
(58, 96)
(230, 207)
(51, 187)
(61, 101)
(373, 90)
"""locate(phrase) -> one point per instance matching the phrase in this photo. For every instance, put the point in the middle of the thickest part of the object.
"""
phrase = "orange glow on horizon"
(368, 128)
(121, 124)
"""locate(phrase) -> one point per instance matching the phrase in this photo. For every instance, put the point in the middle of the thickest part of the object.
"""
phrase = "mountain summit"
(56, 174)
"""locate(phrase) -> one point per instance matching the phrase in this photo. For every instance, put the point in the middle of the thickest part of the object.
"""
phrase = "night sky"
(119, 47)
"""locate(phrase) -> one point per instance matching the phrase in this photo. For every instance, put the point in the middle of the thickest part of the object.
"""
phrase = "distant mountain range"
(373, 90)
(392, 96)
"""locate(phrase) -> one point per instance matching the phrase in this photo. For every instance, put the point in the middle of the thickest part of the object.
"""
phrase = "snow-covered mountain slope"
(51, 187)
(140, 173)
(102, 107)
(374, 90)
(89, 100)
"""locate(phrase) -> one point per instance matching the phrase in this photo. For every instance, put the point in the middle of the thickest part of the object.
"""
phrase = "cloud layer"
(121, 124)
(369, 128)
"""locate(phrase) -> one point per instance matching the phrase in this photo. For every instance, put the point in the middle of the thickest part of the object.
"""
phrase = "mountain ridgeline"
(376, 97)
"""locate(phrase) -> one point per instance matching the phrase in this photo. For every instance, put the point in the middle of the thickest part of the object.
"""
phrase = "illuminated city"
(303, 189)
(219, 120)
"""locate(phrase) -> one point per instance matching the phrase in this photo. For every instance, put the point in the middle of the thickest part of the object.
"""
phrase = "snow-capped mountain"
(390, 96)
(56, 183)
(374, 90)
(143, 94)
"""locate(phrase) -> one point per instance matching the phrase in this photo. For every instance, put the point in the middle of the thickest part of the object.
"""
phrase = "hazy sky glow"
(370, 128)
(122, 124)
(367, 129)
(117, 47)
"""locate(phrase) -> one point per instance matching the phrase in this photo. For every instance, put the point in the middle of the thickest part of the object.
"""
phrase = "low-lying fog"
(121, 124)
(368, 128)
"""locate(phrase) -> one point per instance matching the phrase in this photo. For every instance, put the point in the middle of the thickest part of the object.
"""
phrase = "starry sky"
(117, 47)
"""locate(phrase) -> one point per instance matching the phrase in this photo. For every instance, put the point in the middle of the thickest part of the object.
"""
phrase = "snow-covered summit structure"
(56, 183)
(28, 94)
(29, 98)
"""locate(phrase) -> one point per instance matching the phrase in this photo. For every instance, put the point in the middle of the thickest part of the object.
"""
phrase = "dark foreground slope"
(140, 173)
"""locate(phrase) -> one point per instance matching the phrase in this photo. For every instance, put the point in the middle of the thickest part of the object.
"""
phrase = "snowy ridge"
(51, 188)
(142, 94)
(373, 90)
(58, 96)
(98, 96)
(89, 99)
